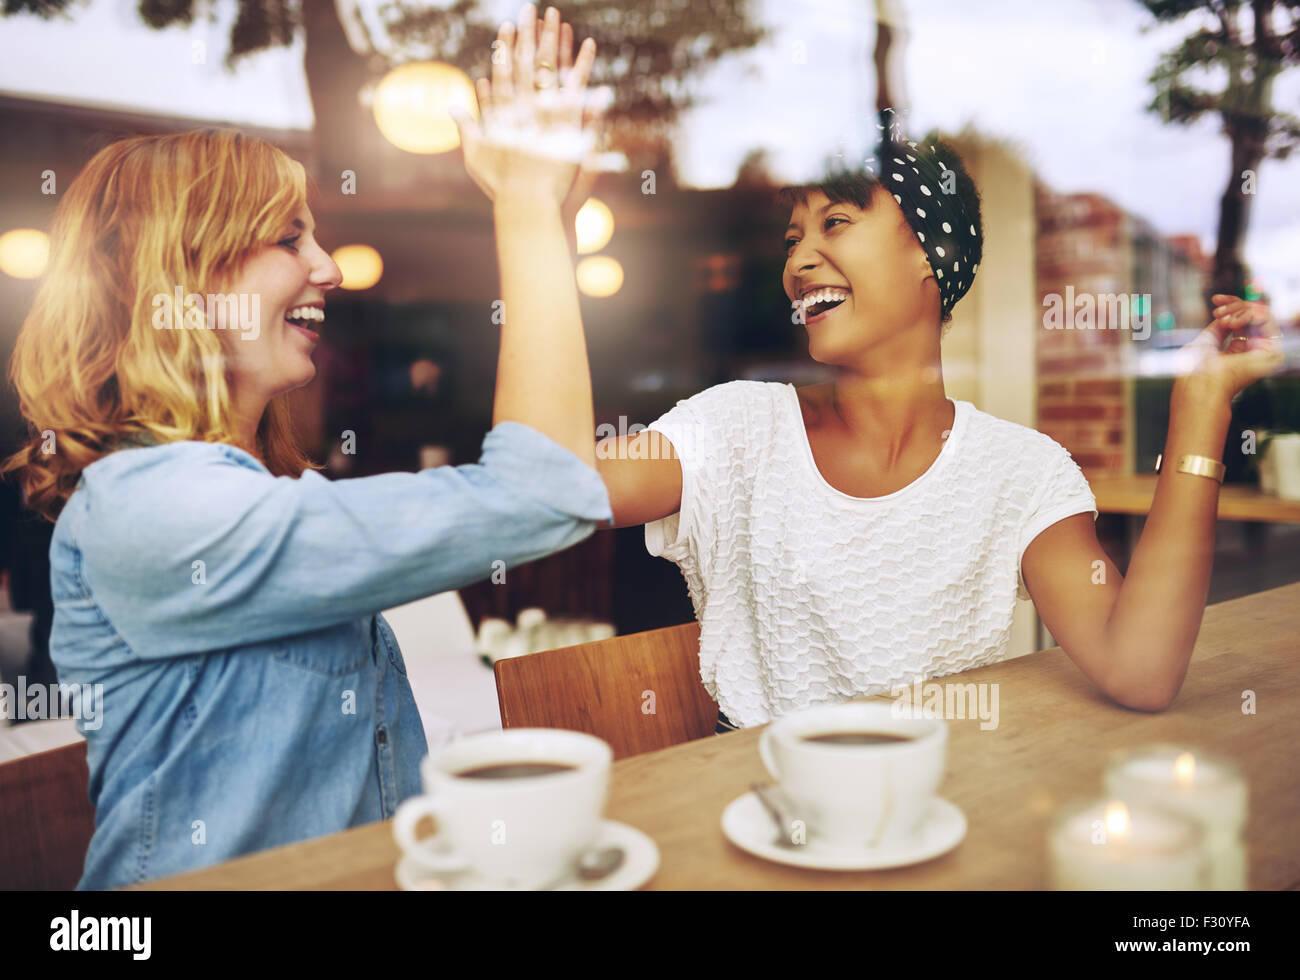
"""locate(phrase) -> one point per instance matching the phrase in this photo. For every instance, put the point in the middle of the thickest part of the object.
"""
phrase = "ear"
(923, 263)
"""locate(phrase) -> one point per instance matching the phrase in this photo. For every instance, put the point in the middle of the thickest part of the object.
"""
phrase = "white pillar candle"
(1117, 845)
(1205, 787)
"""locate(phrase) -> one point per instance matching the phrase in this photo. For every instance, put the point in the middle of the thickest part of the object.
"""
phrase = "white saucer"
(640, 862)
(749, 826)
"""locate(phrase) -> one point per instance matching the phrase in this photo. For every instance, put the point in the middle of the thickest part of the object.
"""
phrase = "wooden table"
(1051, 745)
(1133, 494)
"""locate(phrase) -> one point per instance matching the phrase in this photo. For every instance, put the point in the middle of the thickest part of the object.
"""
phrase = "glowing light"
(594, 226)
(1185, 769)
(599, 275)
(1116, 819)
(412, 106)
(361, 266)
(24, 253)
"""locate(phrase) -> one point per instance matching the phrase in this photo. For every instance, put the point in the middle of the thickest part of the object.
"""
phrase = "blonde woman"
(223, 593)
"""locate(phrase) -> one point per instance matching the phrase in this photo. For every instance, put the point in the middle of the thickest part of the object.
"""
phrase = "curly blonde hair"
(146, 214)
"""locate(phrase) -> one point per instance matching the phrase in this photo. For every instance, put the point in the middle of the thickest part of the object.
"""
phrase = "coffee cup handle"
(765, 753)
(408, 815)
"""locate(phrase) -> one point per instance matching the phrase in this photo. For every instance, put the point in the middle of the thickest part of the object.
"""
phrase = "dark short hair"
(857, 186)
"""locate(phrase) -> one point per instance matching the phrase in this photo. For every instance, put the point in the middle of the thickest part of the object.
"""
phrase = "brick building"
(1122, 288)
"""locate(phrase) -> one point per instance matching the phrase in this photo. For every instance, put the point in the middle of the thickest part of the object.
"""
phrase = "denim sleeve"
(187, 549)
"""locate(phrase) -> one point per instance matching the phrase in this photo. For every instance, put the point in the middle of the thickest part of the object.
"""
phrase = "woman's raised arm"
(525, 153)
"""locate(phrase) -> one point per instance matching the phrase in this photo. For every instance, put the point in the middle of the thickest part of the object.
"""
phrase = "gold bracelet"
(1197, 466)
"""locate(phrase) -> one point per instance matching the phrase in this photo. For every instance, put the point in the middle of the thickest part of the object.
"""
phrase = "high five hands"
(538, 129)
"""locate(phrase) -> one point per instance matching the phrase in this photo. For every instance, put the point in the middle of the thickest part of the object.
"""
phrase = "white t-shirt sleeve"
(707, 432)
(1063, 492)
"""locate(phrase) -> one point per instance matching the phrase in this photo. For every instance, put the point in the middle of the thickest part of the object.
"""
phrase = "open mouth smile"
(819, 304)
(300, 316)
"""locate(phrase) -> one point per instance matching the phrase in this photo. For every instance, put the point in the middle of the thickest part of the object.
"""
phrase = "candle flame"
(1184, 769)
(1116, 818)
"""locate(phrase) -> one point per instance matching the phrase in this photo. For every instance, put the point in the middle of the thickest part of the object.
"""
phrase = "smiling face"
(872, 258)
(281, 279)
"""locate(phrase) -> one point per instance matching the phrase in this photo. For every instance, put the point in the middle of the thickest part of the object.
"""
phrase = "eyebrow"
(297, 223)
(822, 211)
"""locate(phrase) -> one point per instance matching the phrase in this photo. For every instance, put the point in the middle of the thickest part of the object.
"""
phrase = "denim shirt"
(252, 694)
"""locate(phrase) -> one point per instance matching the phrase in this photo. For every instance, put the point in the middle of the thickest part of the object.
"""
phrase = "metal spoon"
(599, 862)
(777, 804)
(592, 865)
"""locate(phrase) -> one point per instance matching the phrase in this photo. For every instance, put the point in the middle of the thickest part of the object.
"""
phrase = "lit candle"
(1202, 786)
(1118, 845)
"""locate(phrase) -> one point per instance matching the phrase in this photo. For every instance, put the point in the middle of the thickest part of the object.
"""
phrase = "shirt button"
(383, 737)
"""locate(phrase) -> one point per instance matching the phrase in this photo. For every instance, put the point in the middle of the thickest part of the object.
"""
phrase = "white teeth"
(306, 313)
(823, 296)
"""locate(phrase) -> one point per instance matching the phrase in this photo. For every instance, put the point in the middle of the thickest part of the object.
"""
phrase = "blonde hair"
(146, 214)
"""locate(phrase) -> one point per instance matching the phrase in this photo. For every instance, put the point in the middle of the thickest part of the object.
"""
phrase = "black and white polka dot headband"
(946, 230)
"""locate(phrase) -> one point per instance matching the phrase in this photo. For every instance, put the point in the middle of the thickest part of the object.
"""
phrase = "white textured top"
(806, 595)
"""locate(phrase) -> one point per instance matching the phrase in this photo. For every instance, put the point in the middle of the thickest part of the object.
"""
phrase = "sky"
(1064, 81)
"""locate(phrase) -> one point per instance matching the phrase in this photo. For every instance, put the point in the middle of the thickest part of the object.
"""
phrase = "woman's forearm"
(543, 376)
(1154, 622)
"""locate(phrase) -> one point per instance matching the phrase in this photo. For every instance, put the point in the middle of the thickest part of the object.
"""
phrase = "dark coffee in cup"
(863, 775)
(515, 770)
(859, 738)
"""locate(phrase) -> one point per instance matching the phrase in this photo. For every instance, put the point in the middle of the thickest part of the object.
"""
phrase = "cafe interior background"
(1095, 175)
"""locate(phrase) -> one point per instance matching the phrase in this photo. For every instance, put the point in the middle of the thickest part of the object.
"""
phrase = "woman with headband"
(854, 537)
(223, 596)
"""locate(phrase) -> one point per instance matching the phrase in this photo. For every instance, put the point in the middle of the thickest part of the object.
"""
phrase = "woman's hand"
(537, 126)
(1253, 349)
(588, 169)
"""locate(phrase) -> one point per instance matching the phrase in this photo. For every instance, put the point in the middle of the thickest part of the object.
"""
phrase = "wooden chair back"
(639, 692)
(46, 819)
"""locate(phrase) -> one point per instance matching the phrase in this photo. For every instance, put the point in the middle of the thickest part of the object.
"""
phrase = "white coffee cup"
(513, 832)
(856, 795)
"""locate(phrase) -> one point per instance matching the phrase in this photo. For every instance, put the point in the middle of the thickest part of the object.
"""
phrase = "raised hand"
(537, 124)
(590, 167)
(1253, 348)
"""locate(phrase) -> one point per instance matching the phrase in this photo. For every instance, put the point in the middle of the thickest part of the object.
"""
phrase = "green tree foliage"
(1228, 65)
